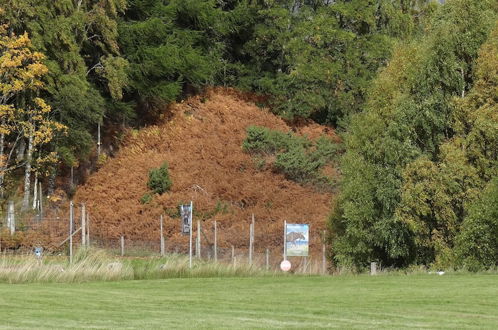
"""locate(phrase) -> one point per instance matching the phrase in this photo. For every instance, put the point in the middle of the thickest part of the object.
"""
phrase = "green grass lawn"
(419, 301)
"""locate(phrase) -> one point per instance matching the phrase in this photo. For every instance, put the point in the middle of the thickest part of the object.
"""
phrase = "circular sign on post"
(285, 265)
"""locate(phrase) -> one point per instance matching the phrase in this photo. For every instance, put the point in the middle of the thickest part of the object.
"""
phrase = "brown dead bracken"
(202, 143)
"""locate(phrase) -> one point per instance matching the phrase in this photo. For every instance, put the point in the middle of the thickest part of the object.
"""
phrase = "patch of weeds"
(259, 163)
(146, 198)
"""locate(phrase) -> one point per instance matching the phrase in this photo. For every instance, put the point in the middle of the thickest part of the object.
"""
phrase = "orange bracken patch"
(201, 143)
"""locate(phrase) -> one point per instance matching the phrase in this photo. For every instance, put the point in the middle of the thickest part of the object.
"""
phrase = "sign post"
(190, 233)
(186, 215)
(285, 240)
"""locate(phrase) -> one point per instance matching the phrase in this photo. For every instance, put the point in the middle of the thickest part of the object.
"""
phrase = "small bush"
(298, 158)
(264, 140)
(296, 165)
(101, 160)
(159, 180)
(146, 198)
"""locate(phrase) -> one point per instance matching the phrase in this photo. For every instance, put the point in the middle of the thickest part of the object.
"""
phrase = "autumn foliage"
(202, 144)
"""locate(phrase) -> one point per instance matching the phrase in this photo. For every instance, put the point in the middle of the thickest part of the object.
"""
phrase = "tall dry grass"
(98, 265)
(87, 266)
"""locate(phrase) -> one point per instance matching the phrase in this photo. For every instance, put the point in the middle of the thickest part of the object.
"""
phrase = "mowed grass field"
(386, 301)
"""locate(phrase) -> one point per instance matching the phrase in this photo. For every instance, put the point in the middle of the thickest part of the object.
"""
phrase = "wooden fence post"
(324, 261)
(88, 229)
(233, 255)
(251, 240)
(122, 246)
(267, 259)
(71, 223)
(215, 242)
(285, 239)
(83, 225)
(250, 244)
(198, 247)
(162, 237)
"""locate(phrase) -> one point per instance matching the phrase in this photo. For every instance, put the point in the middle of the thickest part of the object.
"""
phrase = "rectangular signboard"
(186, 216)
(297, 240)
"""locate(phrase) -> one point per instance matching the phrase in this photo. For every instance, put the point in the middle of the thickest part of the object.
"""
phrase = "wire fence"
(21, 232)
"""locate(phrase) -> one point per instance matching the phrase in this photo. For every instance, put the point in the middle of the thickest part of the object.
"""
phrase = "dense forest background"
(412, 86)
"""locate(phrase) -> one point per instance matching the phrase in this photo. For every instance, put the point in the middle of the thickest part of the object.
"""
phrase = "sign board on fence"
(186, 216)
(297, 239)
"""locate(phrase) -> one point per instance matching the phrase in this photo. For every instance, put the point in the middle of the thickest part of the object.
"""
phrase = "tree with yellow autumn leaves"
(24, 116)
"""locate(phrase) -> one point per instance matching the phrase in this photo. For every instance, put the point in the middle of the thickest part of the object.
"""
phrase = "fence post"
(122, 246)
(250, 244)
(267, 259)
(190, 239)
(251, 239)
(215, 242)
(324, 262)
(71, 214)
(88, 229)
(11, 218)
(198, 247)
(162, 237)
(83, 225)
(233, 255)
(285, 240)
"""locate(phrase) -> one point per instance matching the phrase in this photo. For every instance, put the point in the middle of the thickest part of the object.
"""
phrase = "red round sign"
(285, 265)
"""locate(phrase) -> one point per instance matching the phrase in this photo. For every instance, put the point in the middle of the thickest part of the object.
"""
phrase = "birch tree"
(23, 115)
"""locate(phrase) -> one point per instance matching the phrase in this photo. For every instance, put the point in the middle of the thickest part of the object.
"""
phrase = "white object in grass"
(285, 265)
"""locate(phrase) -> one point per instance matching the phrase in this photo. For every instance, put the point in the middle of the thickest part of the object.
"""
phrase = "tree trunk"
(4, 165)
(21, 149)
(27, 174)
(51, 181)
(35, 193)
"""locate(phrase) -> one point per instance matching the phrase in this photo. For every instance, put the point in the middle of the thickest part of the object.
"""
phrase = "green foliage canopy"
(406, 184)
